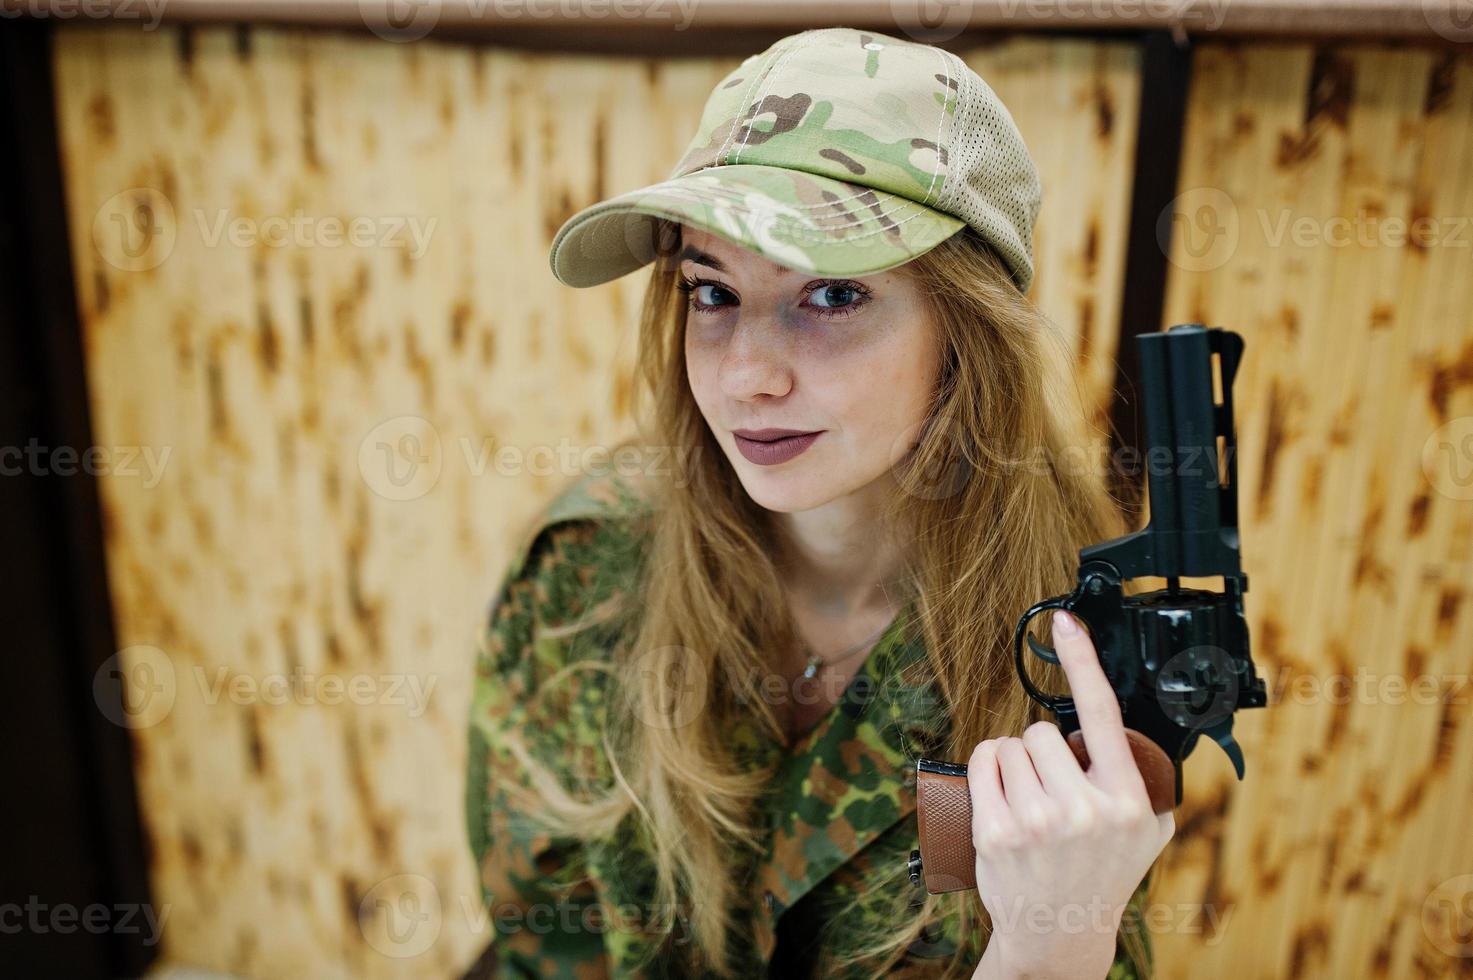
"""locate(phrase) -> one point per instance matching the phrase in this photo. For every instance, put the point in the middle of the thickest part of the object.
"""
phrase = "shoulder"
(595, 509)
(576, 561)
(563, 601)
(578, 556)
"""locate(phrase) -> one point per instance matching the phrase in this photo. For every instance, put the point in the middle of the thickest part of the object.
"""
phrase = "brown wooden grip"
(944, 811)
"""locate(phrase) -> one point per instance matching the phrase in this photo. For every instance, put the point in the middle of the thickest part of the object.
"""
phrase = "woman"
(704, 687)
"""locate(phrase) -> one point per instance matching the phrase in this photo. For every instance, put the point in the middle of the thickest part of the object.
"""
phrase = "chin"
(788, 489)
(780, 502)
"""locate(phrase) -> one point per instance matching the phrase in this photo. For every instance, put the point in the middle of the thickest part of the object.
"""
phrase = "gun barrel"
(1191, 459)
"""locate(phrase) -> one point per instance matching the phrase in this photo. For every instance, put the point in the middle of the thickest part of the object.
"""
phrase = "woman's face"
(852, 359)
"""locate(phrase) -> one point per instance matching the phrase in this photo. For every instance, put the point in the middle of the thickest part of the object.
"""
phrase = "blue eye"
(840, 297)
(843, 307)
(690, 285)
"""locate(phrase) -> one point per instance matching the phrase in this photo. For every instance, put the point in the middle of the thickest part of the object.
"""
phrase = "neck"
(838, 561)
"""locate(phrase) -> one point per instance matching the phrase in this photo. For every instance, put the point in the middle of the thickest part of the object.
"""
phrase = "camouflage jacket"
(841, 808)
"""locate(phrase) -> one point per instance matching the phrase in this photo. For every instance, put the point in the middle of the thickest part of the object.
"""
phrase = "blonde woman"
(703, 688)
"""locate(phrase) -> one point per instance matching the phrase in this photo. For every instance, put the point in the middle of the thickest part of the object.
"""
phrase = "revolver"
(1177, 658)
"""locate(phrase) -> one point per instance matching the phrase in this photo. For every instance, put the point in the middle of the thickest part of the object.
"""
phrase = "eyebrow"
(697, 256)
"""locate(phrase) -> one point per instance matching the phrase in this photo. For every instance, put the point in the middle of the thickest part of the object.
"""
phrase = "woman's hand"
(1060, 851)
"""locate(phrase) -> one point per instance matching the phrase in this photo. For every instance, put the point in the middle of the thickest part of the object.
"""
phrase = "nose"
(754, 363)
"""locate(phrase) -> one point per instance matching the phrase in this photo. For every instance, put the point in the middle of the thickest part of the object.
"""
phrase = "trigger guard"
(1057, 703)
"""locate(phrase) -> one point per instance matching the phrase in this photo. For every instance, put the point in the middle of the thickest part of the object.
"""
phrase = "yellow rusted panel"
(1324, 213)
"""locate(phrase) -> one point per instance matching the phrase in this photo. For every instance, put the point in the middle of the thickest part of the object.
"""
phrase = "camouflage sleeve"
(532, 883)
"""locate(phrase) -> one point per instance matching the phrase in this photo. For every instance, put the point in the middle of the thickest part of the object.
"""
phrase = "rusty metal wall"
(1324, 213)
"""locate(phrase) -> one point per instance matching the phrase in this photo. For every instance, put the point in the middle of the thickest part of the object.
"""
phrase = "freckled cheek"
(849, 401)
(877, 399)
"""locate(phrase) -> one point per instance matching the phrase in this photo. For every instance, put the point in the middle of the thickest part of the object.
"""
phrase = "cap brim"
(803, 221)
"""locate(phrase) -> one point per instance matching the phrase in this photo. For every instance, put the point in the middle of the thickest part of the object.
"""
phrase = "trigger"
(1223, 735)
(1041, 651)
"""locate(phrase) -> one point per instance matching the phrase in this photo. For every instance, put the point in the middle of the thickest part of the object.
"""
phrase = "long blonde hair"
(993, 514)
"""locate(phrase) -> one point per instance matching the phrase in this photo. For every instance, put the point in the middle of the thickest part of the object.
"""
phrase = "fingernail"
(1065, 624)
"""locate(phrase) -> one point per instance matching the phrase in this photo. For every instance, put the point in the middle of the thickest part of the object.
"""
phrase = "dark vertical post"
(1166, 68)
(70, 822)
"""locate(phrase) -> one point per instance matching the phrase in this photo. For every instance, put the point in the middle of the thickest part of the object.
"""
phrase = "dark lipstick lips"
(768, 447)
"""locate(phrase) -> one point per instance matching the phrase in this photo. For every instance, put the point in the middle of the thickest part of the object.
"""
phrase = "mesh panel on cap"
(993, 185)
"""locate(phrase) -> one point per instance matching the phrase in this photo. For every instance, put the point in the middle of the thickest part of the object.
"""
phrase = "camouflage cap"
(836, 151)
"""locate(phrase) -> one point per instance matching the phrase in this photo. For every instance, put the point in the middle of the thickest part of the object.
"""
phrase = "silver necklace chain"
(817, 663)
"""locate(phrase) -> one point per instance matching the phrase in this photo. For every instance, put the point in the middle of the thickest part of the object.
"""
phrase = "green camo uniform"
(841, 809)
